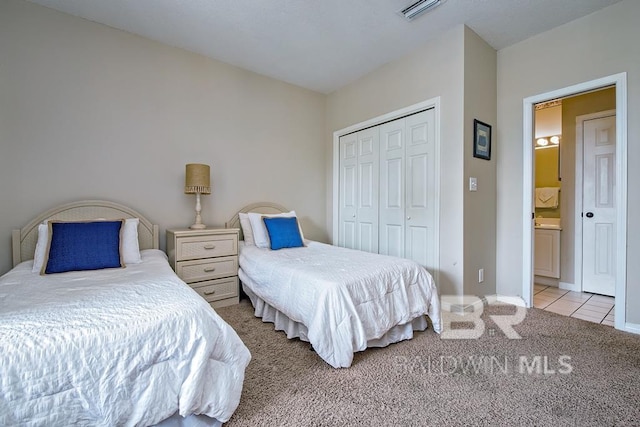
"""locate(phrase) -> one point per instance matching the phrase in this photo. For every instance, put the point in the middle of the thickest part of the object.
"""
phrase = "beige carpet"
(591, 378)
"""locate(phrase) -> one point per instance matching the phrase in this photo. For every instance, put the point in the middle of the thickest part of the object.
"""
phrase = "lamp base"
(198, 225)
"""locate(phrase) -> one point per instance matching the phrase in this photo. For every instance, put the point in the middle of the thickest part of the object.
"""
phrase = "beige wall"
(87, 111)
(479, 206)
(598, 45)
(548, 121)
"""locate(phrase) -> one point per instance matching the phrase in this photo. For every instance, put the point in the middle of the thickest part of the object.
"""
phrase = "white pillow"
(41, 247)
(247, 231)
(260, 234)
(129, 247)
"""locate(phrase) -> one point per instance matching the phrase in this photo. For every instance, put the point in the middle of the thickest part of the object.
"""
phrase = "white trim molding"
(620, 82)
(570, 287)
(634, 328)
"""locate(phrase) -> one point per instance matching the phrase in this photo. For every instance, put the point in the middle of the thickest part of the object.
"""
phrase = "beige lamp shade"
(197, 179)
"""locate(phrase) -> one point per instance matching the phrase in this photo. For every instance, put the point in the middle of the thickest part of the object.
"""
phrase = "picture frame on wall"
(481, 140)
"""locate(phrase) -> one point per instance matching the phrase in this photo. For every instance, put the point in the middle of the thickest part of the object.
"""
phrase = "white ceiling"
(321, 45)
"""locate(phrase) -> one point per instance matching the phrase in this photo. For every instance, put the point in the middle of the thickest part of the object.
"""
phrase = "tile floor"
(585, 306)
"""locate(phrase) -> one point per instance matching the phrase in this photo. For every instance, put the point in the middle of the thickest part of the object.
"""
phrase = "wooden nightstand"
(208, 261)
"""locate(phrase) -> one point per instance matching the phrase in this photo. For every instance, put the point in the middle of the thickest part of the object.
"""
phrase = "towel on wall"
(547, 197)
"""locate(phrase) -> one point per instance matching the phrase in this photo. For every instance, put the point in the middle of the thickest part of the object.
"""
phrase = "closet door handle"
(408, 217)
(589, 214)
(354, 215)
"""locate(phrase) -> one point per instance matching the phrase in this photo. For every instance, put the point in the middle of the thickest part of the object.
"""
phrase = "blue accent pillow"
(283, 232)
(78, 246)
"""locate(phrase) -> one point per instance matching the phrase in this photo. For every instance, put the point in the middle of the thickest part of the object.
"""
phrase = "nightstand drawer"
(215, 290)
(208, 261)
(199, 270)
(199, 247)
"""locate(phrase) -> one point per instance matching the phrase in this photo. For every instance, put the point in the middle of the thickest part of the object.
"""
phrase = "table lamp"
(197, 181)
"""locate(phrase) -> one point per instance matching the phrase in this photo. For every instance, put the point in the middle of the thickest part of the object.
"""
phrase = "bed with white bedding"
(118, 346)
(340, 300)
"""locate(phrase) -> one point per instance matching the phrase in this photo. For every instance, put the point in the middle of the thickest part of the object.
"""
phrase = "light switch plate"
(473, 184)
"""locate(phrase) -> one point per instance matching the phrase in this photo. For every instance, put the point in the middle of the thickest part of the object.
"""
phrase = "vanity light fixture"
(547, 142)
(418, 8)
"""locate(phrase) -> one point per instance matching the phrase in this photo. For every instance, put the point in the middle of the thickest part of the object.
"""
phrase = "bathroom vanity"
(547, 247)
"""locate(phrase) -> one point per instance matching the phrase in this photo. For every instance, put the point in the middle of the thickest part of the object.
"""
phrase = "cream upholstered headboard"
(24, 240)
(260, 207)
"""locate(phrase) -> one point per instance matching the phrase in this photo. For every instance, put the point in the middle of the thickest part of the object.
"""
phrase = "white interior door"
(359, 163)
(392, 194)
(388, 189)
(368, 176)
(599, 206)
(420, 189)
(348, 191)
(408, 188)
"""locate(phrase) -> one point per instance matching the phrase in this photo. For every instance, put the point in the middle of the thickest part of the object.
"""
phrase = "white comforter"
(117, 347)
(344, 297)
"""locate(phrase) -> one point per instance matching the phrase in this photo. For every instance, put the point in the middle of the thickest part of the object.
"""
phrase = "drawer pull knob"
(209, 247)
(209, 269)
(209, 292)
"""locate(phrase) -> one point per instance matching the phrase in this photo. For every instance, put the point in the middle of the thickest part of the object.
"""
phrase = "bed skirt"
(176, 420)
(295, 329)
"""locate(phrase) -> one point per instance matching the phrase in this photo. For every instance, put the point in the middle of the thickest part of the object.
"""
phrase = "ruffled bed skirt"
(295, 329)
(191, 421)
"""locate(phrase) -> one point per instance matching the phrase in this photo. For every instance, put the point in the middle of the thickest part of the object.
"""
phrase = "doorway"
(620, 174)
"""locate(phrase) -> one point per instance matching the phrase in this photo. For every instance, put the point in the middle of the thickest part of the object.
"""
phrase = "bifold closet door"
(407, 188)
(392, 184)
(359, 177)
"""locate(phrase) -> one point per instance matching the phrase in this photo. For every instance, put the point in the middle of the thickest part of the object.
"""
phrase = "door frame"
(578, 189)
(402, 112)
(620, 82)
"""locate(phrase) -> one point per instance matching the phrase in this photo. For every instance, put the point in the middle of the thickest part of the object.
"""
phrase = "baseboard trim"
(634, 328)
(547, 281)
(474, 303)
(515, 300)
(569, 287)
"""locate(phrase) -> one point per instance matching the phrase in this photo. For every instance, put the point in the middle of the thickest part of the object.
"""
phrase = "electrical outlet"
(481, 275)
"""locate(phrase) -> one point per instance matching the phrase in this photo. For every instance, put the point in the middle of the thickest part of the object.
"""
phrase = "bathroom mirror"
(547, 152)
(547, 170)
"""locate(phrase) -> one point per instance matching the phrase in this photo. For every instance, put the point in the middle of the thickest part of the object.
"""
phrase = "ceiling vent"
(418, 8)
